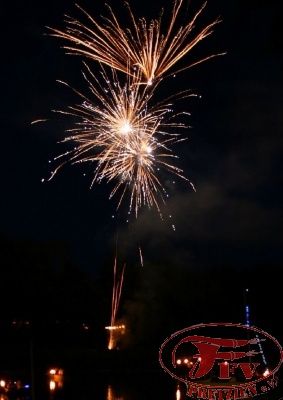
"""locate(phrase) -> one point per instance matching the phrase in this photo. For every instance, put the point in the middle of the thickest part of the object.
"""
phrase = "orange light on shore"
(55, 378)
(115, 327)
(115, 331)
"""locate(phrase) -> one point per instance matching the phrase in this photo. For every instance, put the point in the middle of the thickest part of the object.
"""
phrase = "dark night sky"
(233, 154)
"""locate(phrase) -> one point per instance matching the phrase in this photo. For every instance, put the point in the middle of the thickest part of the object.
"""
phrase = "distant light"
(266, 372)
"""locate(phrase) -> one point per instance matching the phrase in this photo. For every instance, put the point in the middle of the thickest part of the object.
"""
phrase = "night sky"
(233, 154)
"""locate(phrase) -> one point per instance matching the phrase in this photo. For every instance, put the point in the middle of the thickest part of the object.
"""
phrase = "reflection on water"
(63, 387)
(141, 387)
(178, 392)
(13, 388)
(57, 384)
(118, 390)
(111, 394)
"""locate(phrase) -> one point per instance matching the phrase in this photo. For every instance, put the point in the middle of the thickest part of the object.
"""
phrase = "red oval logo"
(222, 356)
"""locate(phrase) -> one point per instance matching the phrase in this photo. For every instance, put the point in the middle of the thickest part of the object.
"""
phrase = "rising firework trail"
(128, 139)
(144, 46)
(116, 296)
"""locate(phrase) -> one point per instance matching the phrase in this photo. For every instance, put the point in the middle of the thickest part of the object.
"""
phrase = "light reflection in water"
(111, 394)
(111, 391)
(178, 394)
(52, 385)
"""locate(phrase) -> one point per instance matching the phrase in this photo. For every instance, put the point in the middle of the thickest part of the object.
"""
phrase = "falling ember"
(141, 257)
(146, 46)
(126, 137)
(38, 120)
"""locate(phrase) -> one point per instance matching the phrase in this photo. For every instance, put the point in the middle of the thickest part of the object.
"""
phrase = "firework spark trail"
(118, 279)
(117, 290)
(116, 296)
(125, 137)
(144, 46)
(39, 120)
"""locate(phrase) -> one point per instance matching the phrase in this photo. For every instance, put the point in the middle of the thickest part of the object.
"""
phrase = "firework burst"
(127, 139)
(143, 46)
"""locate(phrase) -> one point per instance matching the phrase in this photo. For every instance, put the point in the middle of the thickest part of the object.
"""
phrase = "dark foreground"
(93, 374)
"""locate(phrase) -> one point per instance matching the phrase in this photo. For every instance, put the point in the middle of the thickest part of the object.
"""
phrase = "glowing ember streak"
(39, 120)
(127, 139)
(143, 46)
(141, 257)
